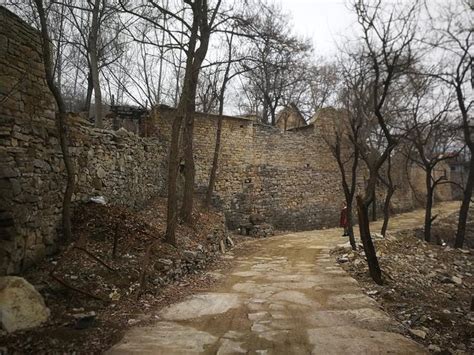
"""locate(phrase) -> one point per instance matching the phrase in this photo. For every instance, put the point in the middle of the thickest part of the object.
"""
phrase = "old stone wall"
(288, 177)
(124, 168)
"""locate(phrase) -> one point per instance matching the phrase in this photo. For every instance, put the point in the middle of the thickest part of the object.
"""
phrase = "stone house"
(289, 118)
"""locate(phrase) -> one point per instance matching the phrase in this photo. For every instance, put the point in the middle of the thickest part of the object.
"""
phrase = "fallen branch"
(65, 284)
(146, 261)
(142, 277)
(100, 261)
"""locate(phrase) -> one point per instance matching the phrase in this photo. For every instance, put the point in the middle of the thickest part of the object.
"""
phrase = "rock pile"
(257, 227)
(262, 230)
(428, 288)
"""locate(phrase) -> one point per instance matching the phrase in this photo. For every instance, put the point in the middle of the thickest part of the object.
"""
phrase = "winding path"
(288, 296)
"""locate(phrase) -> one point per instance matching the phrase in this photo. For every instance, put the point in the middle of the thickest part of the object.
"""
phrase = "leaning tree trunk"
(386, 210)
(217, 147)
(60, 119)
(464, 210)
(370, 254)
(215, 159)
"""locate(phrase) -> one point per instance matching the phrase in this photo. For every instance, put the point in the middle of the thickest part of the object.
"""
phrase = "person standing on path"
(343, 221)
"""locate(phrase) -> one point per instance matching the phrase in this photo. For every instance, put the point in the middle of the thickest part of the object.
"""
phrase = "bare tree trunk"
(350, 225)
(386, 210)
(61, 121)
(173, 166)
(215, 159)
(428, 204)
(388, 198)
(374, 206)
(94, 61)
(189, 168)
(464, 210)
(200, 13)
(467, 131)
(90, 87)
(369, 248)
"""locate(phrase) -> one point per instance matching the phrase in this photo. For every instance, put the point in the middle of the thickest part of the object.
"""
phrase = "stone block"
(21, 306)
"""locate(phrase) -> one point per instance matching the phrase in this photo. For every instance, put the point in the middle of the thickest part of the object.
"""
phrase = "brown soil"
(428, 288)
(115, 282)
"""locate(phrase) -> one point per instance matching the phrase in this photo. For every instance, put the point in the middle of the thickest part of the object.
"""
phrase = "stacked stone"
(291, 178)
(26, 124)
(120, 166)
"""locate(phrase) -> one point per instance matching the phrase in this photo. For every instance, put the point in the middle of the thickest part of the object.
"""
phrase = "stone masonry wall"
(122, 167)
(288, 177)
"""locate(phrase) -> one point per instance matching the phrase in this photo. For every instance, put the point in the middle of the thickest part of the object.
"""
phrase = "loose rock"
(21, 306)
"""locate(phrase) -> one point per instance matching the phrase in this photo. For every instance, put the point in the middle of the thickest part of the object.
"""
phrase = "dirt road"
(288, 296)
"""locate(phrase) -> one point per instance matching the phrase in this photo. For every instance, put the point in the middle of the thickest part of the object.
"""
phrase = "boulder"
(21, 306)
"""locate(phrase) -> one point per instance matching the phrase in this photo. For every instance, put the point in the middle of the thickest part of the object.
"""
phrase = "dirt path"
(287, 296)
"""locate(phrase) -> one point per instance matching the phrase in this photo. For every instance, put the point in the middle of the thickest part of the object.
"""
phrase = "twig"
(146, 261)
(65, 284)
(114, 249)
(95, 258)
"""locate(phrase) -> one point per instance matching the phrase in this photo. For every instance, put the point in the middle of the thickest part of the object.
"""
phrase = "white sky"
(323, 21)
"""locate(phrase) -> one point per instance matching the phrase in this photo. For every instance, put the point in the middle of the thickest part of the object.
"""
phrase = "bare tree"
(229, 73)
(454, 38)
(387, 40)
(344, 132)
(431, 135)
(390, 188)
(273, 63)
(339, 134)
(201, 29)
(197, 28)
(207, 98)
(323, 80)
(60, 118)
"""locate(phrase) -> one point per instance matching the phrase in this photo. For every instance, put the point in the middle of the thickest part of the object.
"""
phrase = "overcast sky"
(323, 21)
